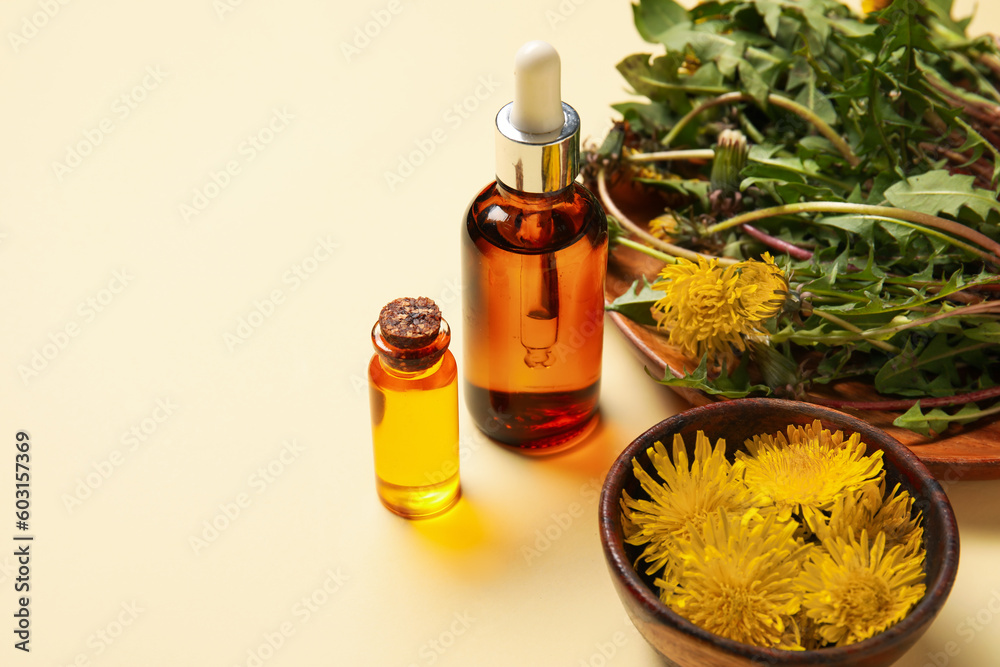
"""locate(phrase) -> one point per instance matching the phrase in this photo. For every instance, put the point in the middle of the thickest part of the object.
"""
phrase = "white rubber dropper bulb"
(537, 107)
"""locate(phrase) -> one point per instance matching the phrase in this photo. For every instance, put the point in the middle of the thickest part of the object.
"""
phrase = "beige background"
(151, 418)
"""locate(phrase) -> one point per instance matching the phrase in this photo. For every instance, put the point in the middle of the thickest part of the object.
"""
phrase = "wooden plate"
(961, 453)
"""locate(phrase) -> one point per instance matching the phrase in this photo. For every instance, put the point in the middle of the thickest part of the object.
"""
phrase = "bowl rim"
(925, 611)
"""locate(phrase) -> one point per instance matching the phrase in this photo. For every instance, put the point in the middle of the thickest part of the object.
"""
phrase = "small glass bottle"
(412, 381)
(535, 250)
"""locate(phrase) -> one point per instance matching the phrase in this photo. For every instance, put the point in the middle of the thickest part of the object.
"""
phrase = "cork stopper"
(410, 323)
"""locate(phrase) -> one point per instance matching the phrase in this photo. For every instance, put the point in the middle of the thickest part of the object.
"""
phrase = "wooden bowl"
(684, 644)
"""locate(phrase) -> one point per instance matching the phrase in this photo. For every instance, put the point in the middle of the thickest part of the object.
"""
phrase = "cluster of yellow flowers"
(709, 310)
(793, 545)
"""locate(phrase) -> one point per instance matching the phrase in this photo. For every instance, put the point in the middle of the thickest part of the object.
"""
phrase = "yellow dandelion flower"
(690, 491)
(812, 467)
(870, 510)
(853, 590)
(664, 227)
(690, 65)
(868, 6)
(764, 289)
(739, 580)
(708, 310)
(642, 170)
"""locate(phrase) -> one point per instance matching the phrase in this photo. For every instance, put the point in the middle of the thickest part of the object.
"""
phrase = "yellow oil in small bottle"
(414, 409)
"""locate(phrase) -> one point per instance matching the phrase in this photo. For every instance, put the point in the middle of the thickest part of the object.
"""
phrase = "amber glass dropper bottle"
(535, 249)
(412, 381)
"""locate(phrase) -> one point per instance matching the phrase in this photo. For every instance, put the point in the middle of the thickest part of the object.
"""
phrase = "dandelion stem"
(972, 133)
(776, 243)
(982, 307)
(914, 217)
(844, 324)
(677, 251)
(709, 154)
(652, 252)
(906, 404)
(803, 112)
(664, 156)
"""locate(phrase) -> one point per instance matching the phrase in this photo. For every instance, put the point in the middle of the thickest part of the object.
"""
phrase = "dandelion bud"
(731, 152)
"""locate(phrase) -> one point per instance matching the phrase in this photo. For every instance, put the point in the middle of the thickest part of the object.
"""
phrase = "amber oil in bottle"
(534, 258)
(412, 380)
(534, 269)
